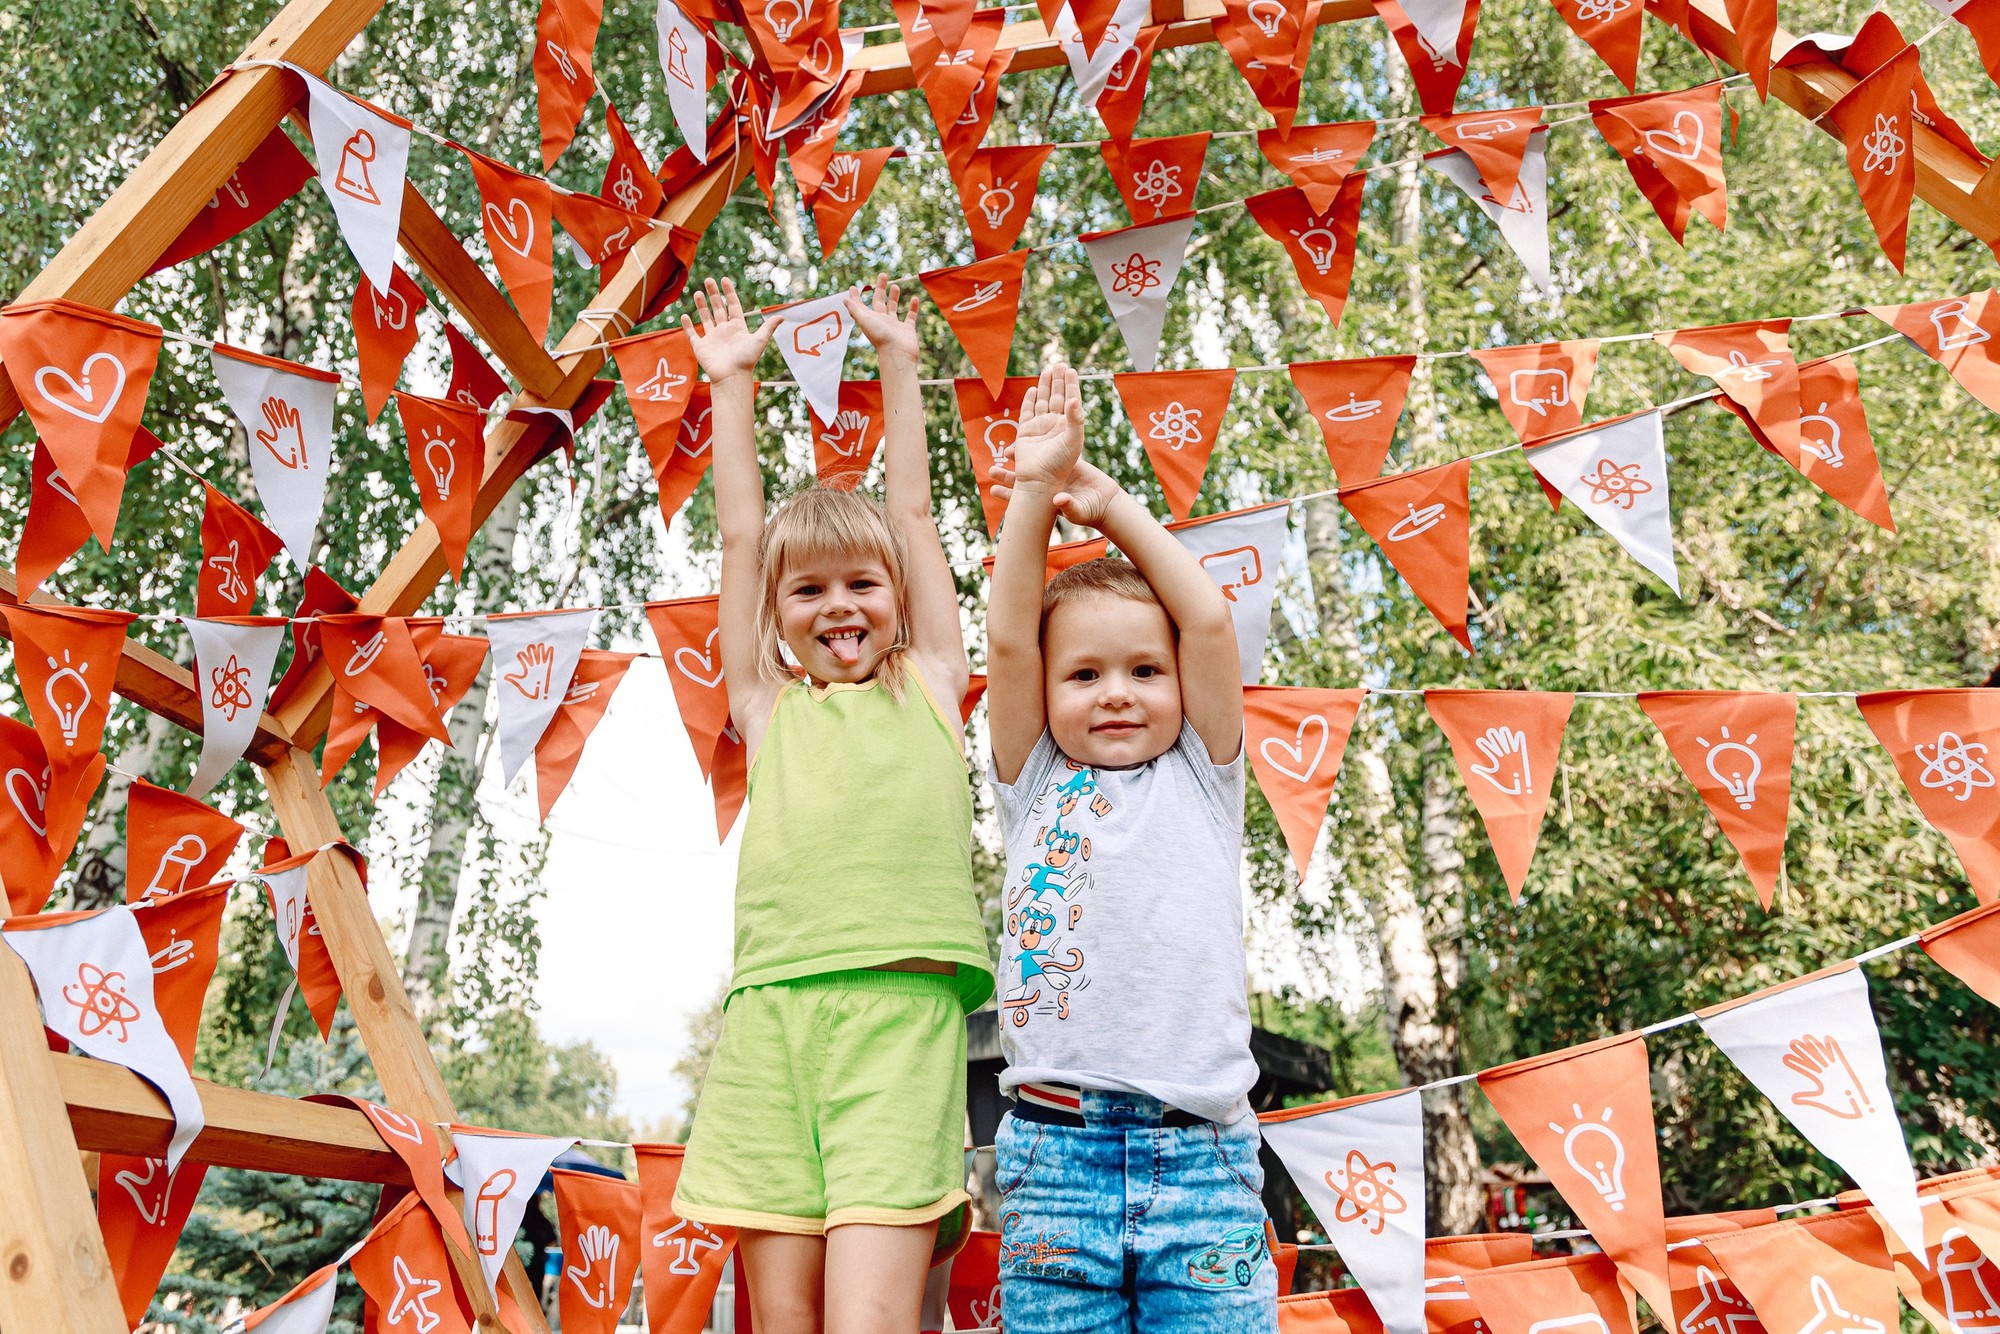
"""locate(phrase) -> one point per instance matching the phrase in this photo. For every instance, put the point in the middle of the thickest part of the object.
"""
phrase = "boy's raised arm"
(727, 349)
(936, 637)
(1045, 450)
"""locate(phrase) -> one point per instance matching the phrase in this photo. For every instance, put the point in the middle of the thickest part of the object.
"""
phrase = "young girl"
(830, 1127)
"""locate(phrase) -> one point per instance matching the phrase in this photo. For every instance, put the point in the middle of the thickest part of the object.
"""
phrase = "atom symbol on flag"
(1883, 145)
(231, 693)
(1370, 1189)
(1618, 484)
(1954, 762)
(100, 1005)
(1159, 185)
(1176, 424)
(1137, 275)
(1592, 10)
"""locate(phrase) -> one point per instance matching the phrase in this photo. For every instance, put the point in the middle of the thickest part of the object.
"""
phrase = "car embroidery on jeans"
(1232, 1261)
(1048, 968)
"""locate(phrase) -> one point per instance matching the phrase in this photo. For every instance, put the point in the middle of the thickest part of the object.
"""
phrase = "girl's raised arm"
(936, 637)
(727, 349)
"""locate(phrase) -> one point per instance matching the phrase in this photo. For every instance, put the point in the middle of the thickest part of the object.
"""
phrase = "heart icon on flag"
(84, 389)
(19, 782)
(1295, 750)
(710, 673)
(1684, 133)
(519, 239)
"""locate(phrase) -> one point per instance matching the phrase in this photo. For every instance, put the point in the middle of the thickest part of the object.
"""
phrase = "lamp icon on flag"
(69, 695)
(1734, 765)
(1321, 244)
(1598, 1155)
(1268, 15)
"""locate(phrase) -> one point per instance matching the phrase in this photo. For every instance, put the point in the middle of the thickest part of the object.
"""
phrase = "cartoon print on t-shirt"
(1049, 965)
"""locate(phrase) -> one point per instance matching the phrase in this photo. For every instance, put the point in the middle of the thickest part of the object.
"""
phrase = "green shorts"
(832, 1099)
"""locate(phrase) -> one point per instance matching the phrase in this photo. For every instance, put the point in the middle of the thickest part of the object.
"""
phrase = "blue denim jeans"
(1125, 1225)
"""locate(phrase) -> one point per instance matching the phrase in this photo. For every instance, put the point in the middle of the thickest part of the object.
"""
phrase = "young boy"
(1129, 1161)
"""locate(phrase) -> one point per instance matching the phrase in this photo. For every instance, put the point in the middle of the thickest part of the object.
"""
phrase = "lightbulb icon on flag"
(69, 695)
(1598, 1155)
(1734, 765)
(438, 458)
(1824, 447)
(996, 201)
(785, 16)
(1321, 244)
(1268, 15)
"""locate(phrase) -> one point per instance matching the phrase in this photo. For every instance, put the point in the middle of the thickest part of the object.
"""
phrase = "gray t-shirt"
(1122, 961)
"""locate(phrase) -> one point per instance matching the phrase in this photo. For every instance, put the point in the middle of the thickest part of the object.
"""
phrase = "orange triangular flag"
(678, 471)
(1672, 145)
(844, 447)
(374, 660)
(1356, 404)
(1124, 97)
(1968, 947)
(172, 843)
(991, 417)
(1735, 746)
(562, 67)
(56, 527)
(1585, 1114)
(1421, 521)
(975, 688)
(953, 77)
(184, 932)
(1269, 44)
(1156, 178)
(598, 672)
(82, 374)
(236, 549)
(1437, 74)
(66, 659)
(451, 665)
(1705, 1301)
(385, 330)
(1542, 386)
(982, 303)
(599, 1221)
(1178, 415)
(36, 836)
(729, 781)
(1318, 158)
(1829, 1274)
(474, 382)
(850, 178)
(1295, 738)
(996, 191)
(809, 145)
(1062, 556)
(964, 135)
(515, 212)
(1835, 451)
(1877, 118)
(1336, 1311)
(404, 1269)
(1320, 242)
(447, 448)
(1946, 745)
(1751, 362)
(1958, 333)
(1584, 1289)
(1496, 141)
(686, 631)
(1612, 30)
(682, 1260)
(1755, 23)
(1506, 743)
(659, 374)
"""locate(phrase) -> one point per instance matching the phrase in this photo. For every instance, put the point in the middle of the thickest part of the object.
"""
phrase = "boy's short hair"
(1106, 576)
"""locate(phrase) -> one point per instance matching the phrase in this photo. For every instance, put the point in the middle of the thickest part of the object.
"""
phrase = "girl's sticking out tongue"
(845, 645)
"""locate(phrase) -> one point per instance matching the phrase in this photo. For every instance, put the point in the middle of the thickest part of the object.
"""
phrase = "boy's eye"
(1084, 674)
(1146, 673)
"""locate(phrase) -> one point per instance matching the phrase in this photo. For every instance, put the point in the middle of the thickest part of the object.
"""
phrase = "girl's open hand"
(881, 315)
(726, 345)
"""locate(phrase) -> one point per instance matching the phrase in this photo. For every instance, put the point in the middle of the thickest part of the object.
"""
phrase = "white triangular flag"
(1617, 474)
(306, 1309)
(1437, 23)
(1524, 220)
(232, 675)
(1243, 552)
(95, 979)
(684, 62)
(813, 341)
(1136, 267)
(287, 416)
(1360, 1164)
(1813, 1049)
(287, 889)
(499, 1175)
(362, 155)
(534, 656)
(1092, 71)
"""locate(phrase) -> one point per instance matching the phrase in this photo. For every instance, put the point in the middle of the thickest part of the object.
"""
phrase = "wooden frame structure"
(55, 1275)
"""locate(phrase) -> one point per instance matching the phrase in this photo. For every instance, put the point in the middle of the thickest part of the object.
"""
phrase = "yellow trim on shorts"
(864, 1213)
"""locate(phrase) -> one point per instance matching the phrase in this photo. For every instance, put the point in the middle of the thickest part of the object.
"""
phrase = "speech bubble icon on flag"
(829, 328)
(1539, 390)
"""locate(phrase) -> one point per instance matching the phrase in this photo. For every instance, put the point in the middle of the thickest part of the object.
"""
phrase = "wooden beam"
(373, 985)
(112, 1110)
(513, 446)
(55, 1277)
(887, 64)
(1947, 179)
(119, 242)
(161, 685)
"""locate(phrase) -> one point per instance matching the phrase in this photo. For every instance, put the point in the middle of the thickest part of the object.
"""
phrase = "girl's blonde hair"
(818, 522)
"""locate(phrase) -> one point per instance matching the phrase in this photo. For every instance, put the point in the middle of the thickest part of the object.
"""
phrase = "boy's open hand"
(1048, 452)
(726, 345)
(888, 324)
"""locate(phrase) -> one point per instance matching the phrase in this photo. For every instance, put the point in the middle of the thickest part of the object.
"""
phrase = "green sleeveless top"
(858, 848)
